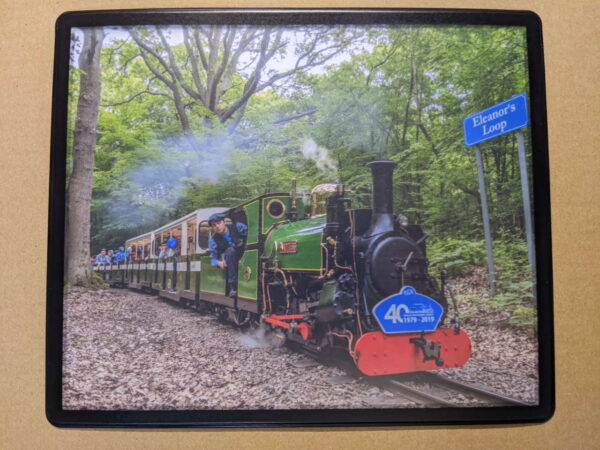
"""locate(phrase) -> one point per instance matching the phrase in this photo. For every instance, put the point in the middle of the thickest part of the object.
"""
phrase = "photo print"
(278, 218)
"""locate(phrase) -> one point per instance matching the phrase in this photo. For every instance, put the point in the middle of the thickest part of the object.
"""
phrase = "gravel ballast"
(127, 350)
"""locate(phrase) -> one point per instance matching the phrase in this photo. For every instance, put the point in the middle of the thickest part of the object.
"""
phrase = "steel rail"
(483, 393)
(414, 394)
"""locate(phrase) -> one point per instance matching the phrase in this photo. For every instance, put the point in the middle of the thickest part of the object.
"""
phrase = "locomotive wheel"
(242, 318)
(222, 315)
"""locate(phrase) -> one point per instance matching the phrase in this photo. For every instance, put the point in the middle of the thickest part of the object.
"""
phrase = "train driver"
(226, 245)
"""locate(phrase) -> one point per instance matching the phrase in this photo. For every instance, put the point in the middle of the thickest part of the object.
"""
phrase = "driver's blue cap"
(215, 218)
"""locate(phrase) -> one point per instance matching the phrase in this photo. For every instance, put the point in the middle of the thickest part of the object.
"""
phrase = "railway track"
(427, 389)
(433, 390)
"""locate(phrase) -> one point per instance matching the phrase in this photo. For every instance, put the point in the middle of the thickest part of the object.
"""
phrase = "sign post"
(486, 222)
(507, 116)
(526, 203)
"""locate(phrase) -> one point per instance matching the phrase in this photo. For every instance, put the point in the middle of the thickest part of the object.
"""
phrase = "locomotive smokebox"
(382, 220)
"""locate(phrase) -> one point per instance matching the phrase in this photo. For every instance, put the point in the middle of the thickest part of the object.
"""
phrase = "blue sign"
(502, 118)
(408, 312)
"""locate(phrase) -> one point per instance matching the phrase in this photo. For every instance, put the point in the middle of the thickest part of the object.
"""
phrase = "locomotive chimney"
(382, 219)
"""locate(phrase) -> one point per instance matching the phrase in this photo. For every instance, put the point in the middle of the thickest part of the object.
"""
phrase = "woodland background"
(212, 116)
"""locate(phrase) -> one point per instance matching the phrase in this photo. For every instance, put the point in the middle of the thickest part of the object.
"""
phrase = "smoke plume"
(260, 338)
(319, 155)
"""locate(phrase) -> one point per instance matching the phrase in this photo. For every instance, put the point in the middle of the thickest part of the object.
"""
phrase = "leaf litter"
(128, 350)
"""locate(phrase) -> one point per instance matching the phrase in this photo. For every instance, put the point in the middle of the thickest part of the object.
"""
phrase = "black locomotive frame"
(298, 418)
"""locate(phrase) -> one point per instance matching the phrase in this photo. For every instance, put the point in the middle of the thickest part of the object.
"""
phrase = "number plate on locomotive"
(408, 312)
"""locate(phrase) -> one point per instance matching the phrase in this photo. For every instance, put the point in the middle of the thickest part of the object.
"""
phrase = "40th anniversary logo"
(408, 312)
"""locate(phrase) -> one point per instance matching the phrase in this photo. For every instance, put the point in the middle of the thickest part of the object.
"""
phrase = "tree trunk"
(413, 70)
(79, 200)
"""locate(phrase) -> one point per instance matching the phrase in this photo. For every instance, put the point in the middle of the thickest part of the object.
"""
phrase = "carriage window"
(156, 247)
(203, 234)
(191, 237)
(173, 233)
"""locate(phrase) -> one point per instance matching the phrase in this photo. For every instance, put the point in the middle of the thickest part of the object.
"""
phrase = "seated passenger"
(102, 258)
(121, 255)
(226, 245)
(165, 252)
(173, 245)
(162, 253)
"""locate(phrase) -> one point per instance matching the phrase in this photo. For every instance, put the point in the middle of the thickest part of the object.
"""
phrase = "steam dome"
(318, 198)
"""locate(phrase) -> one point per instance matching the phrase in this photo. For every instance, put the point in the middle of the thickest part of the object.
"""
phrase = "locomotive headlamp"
(402, 220)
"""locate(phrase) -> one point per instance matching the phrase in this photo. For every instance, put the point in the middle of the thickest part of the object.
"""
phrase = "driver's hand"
(221, 265)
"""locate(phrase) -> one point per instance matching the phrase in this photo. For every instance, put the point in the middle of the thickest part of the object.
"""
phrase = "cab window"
(205, 231)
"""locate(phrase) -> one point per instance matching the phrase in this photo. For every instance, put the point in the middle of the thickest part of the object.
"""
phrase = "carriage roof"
(202, 214)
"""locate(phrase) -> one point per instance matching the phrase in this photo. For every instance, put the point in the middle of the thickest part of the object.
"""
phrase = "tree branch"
(173, 66)
(194, 65)
(395, 47)
(198, 43)
(214, 92)
(130, 99)
(313, 61)
(252, 83)
(297, 116)
(146, 49)
(428, 137)
(466, 190)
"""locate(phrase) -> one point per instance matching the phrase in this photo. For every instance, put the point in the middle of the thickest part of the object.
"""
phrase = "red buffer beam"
(377, 353)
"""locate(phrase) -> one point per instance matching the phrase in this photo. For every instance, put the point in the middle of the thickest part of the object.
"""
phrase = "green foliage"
(457, 256)
(517, 298)
(510, 254)
(95, 282)
(515, 284)
(524, 316)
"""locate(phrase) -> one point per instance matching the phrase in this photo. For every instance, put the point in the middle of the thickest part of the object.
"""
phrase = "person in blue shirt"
(121, 256)
(102, 258)
(226, 245)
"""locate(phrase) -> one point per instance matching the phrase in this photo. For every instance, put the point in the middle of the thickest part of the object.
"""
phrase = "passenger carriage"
(137, 267)
(177, 277)
(116, 274)
(188, 276)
